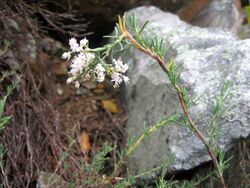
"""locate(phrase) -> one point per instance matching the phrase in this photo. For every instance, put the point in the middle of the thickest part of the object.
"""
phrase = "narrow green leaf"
(143, 27)
(2, 105)
(170, 65)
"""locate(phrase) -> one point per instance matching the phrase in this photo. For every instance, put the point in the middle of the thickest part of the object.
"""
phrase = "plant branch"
(139, 140)
(160, 60)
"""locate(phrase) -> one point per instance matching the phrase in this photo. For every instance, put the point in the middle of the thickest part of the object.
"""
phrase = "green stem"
(151, 130)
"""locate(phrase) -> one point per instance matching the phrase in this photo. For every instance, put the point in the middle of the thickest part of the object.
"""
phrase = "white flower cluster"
(117, 73)
(83, 58)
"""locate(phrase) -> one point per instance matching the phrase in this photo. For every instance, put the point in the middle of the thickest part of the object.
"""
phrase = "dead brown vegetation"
(43, 125)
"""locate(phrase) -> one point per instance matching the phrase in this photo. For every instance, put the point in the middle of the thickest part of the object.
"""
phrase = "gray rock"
(224, 14)
(209, 57)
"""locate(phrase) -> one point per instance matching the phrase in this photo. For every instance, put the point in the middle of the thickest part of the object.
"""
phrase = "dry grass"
(43, 125)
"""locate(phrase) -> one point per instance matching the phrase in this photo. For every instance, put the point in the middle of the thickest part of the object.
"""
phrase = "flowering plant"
(90, 63)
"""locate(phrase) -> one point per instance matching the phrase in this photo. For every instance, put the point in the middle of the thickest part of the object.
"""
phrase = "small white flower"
(119, 66)
(84, 43)
(100, 77)
(116, 78)
(124, 68)
(66, 55)
(77, 84)
(70, 80)
(89, 57)
(81, 61)
(118, 69)
(125, 79)
(74, 45)
(77, 65)
(99, 68)
(100, 73)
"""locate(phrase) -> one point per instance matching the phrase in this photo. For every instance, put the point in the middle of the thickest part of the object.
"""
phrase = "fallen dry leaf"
(110, 105)
(85, 146)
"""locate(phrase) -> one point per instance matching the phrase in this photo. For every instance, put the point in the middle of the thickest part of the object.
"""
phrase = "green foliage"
(161, 168)
(115, 45)
(95, 169)
(151, 48)
(223, 162)
(217, 112)
(127, 182)
(152, 43)
(247, 9)
(7, 44)
(162, 183)
(155, 48)
(148, 131)
(173, 73)
(100, 159)
(2, 151)
(4, 120)
(187, 184)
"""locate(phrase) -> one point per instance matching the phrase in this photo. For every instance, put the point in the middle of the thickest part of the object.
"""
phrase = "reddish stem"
(184, 107)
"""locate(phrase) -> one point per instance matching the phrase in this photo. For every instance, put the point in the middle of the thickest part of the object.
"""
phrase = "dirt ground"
(50, 117)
